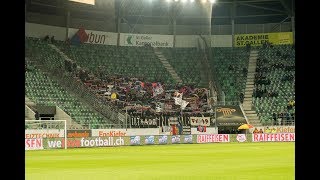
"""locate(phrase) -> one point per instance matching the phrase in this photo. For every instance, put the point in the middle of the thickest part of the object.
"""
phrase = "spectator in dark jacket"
(36, 115)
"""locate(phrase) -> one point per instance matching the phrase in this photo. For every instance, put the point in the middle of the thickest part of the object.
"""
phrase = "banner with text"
(210, 138)
(124, 132)
(95, 37)
(200, 121)
(43, 133)
(229, 116)
(153, 40)
(204, 130)
(241, 40)
(59, 143)
(276, 137)
(276, 129)
(78, 133)
(33, 144)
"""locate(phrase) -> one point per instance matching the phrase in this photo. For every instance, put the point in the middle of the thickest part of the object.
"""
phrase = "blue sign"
(188, 139)
(149, 140)
(163, 139)
(176, 139)
(134, 140)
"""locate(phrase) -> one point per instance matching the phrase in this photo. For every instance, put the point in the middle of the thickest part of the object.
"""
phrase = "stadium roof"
(244, 11)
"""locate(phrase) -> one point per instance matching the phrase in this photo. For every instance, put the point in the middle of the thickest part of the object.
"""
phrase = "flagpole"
(127, 118)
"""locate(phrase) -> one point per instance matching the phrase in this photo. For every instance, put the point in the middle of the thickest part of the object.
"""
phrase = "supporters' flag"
(142, 84)
(157, 90)
(178, 100)
(159, 107)
(80, 37)
(184, 104)
(75, 40)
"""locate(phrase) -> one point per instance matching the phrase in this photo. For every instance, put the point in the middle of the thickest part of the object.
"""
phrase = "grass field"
(230, 161)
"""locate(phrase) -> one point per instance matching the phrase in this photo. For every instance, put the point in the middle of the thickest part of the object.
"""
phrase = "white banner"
(153, 40)
(210, 138)
(40, 31)
(33, 144)
(43, 133)
(187, 40)
(257, 137)
(221, 41)
(85, 1)
(200, 121)
(208, 130)
(124, 132)
(96, 37)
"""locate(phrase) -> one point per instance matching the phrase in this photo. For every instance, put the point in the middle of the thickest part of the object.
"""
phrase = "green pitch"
(230, 161)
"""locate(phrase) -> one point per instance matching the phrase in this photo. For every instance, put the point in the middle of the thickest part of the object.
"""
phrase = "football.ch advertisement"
(57, 143)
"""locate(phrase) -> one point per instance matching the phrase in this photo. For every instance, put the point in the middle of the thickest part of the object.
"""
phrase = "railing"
(212, 75)
(281, 122)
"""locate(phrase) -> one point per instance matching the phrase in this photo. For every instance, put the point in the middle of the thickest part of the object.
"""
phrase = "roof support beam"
(261, 7)
(286, 7)
(260, 15)
(257, 1)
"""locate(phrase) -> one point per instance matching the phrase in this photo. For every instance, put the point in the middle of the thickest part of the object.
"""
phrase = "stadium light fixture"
(212, 1)
(192, 1)
(168, 1)
(203, 1)
(183, 1)
(176, 0)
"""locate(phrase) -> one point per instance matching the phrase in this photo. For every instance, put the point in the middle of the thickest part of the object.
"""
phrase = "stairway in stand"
(249, 111)
(167, 65)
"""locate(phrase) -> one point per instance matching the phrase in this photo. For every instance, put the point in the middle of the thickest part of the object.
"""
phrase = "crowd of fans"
(135, 95)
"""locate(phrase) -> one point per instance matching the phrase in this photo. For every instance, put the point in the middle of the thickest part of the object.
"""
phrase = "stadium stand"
(229, 64)
(274, 79)
(274, 91)
(138, 62)
(42, 90)
(128, 91)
